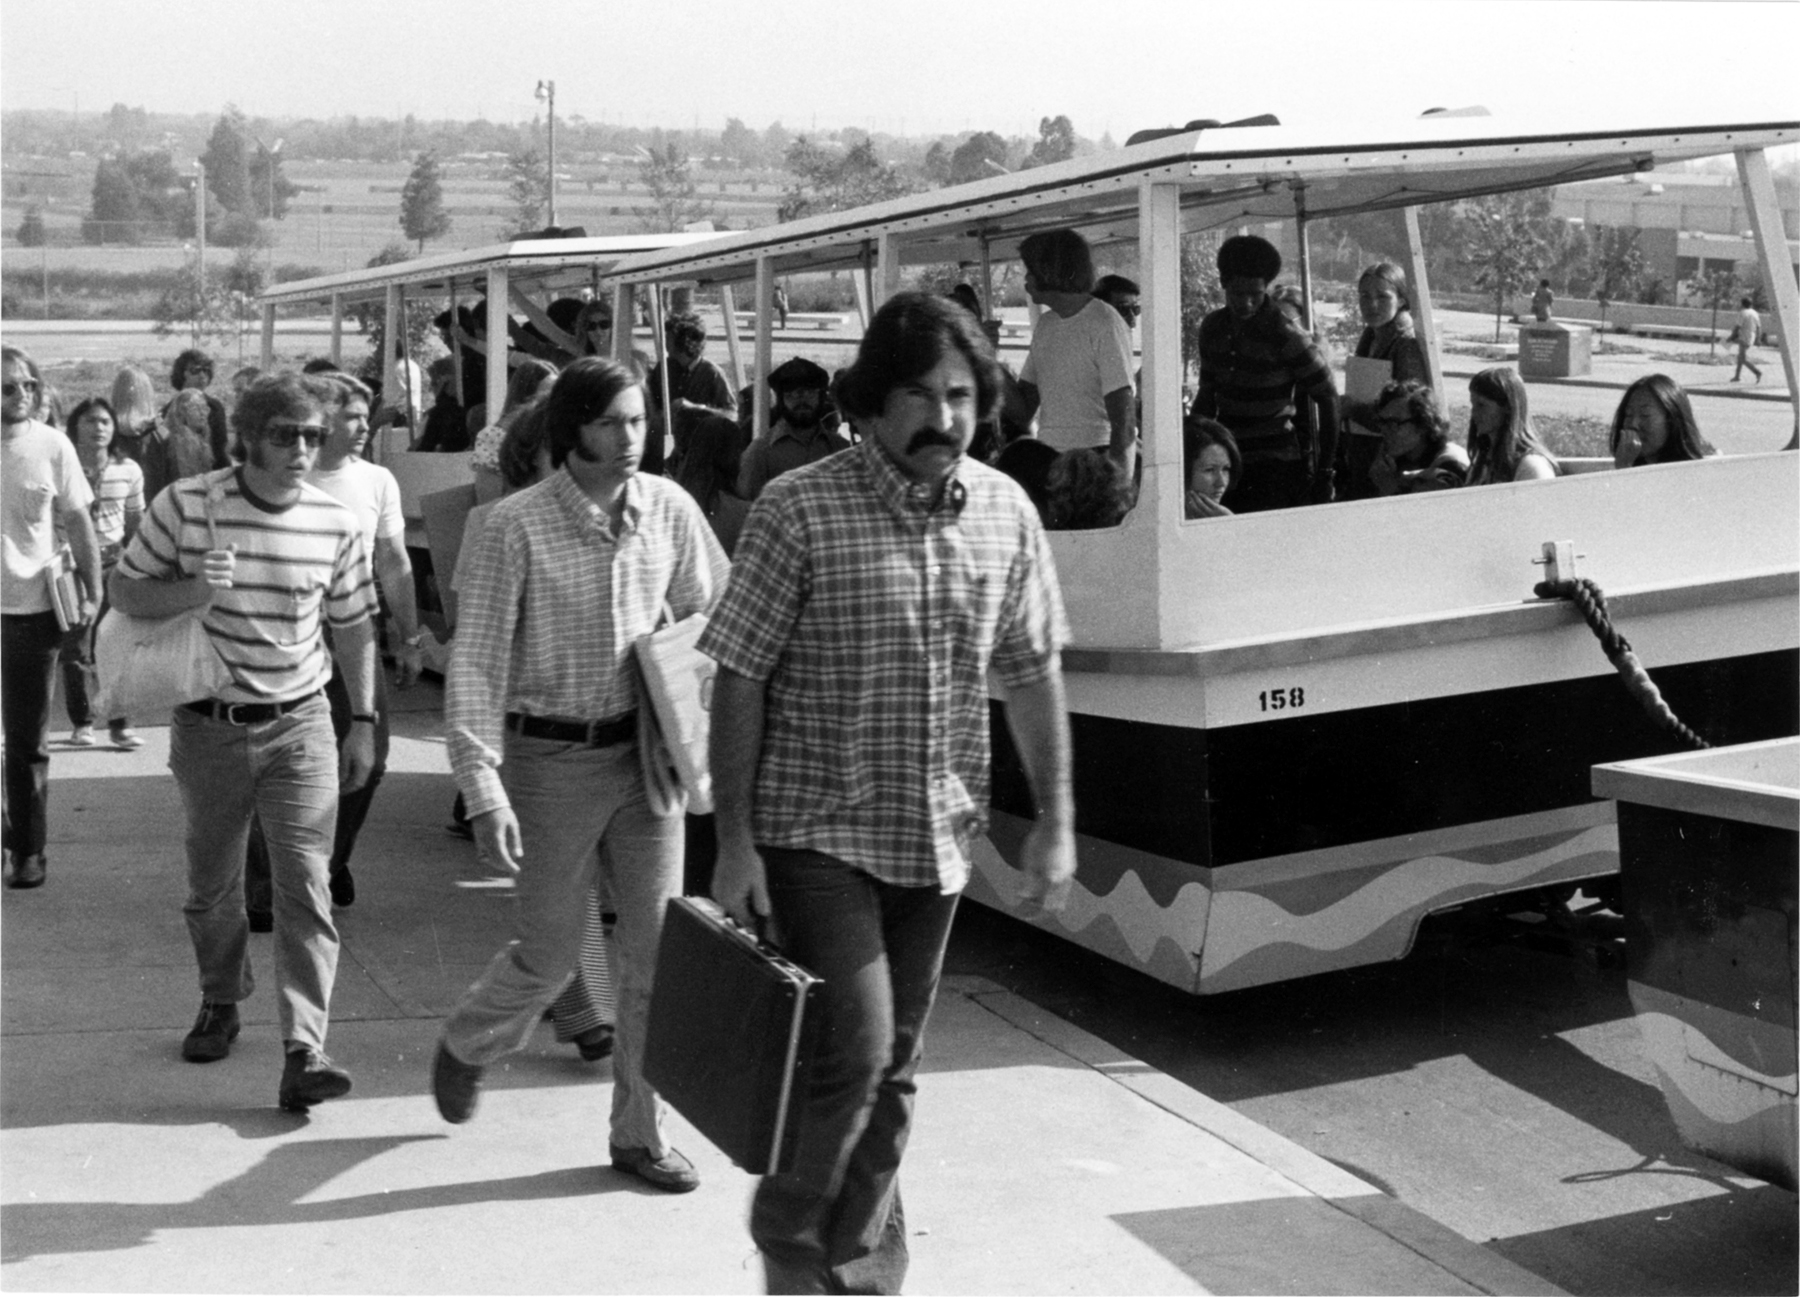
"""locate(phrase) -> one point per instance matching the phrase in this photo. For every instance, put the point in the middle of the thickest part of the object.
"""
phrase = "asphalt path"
(1499, 1089)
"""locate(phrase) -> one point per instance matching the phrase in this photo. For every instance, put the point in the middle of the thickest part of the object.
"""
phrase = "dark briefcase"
(731, 1037)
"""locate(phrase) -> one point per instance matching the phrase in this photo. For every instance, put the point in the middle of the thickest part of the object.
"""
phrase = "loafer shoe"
(308, 1077)
(595, 1043)
(672, 1173)
(212, 1034)
(27, 871)
(343, 888)
(455, 1085)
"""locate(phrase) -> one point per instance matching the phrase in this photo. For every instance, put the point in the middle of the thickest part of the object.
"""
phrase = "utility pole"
(200, 228)
(546, 90)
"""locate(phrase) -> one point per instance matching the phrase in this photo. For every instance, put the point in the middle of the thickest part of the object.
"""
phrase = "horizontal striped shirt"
(297, 565)
(874, 620)
(118, 501)
(1252, 374)
(551, 603)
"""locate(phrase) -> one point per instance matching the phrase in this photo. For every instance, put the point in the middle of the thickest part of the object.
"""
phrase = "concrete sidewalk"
(1043, 1159)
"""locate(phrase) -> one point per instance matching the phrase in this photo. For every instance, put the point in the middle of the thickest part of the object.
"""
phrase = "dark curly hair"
(909, 335)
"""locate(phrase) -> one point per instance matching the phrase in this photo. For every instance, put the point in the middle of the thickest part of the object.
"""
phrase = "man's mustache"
(931, 437)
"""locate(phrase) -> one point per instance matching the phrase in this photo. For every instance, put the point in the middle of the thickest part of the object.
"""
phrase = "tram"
(1297, 734)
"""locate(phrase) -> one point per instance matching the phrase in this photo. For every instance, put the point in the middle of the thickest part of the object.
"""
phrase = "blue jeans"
(569, 797)
(834, 1222)
(285, 771)
(29, 644)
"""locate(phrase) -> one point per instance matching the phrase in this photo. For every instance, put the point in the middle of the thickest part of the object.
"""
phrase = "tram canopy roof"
(545, 264)
(1228, 176)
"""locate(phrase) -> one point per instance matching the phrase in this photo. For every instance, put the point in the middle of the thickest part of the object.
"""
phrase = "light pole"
(271, 154)
(546, 90)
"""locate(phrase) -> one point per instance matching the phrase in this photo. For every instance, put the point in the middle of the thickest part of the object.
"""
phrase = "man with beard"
(1256, 366)
(797, 434)
(879, 586)
(371, 493)
(273, 560)
(541, 719)
(42, 488)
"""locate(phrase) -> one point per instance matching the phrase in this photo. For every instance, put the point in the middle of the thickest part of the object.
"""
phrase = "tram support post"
(337, 328)
(1304, 247)
(1159, 255)
(728, 304)
(1777, 274)
(765, 346)
(268, 337)
(661, 341)
(497, 341)
(887, 257)
(390, 333)
(624, 322)
(987, 279)
(864, 277)
(1424, 320)
(456, 355)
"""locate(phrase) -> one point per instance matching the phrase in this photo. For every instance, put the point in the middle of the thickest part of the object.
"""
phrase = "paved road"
(1497, 1089)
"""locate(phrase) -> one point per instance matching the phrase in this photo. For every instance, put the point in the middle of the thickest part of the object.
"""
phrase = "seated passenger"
(1028, 462)
(1087, 489)
(444, 422)
(1502, 446)
(1654, 424)
(1211, 455)
(1416, 454)
(1078, 371)
(1122, 295)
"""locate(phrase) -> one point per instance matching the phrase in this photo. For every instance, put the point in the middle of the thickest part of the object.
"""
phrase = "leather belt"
(246, 713)
(595, 734)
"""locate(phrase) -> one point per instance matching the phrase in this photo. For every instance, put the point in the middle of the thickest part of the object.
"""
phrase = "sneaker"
(595, 1043)
(27, 871)
(214, 1030)
(343, 887)
(308, 1077)
(455, 1085)
(672, 1173)
(82, 736)
(124, 737)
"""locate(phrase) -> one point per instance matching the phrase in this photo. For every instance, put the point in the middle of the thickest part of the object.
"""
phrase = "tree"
(132, 191)
(937, 164)
(1056, 142)
(371, 319)
(830, 182)
(776, 140)
(422, 214)
(227, 164)
(1505, 239)
(31, 229)
(741, 144)
(1712, 287)
(1616, 267)
(971, 158)
(1201, 293)
(268, 183)
(669, 176)
(201, 310)
(528, 188)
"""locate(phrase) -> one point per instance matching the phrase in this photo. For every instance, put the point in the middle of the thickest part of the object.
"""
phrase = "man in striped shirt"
(872, 593)
(1255, 368)
(541, 715)
(272, 559)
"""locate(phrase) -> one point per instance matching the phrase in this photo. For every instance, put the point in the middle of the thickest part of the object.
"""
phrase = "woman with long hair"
(1502, 445)
(1655, 424)
(139, 431)
(531, 378)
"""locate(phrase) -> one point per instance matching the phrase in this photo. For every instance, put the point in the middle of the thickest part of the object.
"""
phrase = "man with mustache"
(273, 560)
(541, 715)
(871, 594)
(797, 434)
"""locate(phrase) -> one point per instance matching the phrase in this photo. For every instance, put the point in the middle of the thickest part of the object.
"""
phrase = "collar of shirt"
(906, 499)
(590, 518)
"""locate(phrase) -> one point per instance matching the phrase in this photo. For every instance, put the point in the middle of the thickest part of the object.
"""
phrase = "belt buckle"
(593, 733)
(230, 717)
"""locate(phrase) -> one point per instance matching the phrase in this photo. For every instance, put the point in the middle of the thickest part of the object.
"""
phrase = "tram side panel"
(1216, 857)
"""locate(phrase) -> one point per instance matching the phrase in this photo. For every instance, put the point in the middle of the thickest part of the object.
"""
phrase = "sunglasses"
(13, 389)
(283, 436)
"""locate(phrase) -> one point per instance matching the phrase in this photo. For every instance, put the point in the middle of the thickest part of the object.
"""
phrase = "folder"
(733, 1030)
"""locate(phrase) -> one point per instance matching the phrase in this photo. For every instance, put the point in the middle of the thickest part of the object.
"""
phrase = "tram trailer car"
(1374, 718)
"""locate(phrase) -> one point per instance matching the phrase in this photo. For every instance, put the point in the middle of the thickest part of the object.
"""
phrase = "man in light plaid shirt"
(541, 718)
(872, 592)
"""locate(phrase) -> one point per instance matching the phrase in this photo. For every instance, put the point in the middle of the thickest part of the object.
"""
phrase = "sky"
(915, 67)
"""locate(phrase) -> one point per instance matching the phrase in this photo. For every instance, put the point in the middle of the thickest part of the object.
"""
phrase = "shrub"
(31, 229)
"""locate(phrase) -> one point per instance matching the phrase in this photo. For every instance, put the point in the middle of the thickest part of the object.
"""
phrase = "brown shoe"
(308, 1077)
(596, 1043)
(455, 1085)
(672, 1173)
(212, 1033)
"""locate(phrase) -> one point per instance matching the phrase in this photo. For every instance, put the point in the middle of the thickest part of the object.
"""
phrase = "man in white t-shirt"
(371, 493)
(1079, 370)
(41, 487)
(1749, 329)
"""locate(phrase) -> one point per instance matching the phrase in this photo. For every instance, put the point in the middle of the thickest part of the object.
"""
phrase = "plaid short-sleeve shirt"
(874, 620)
